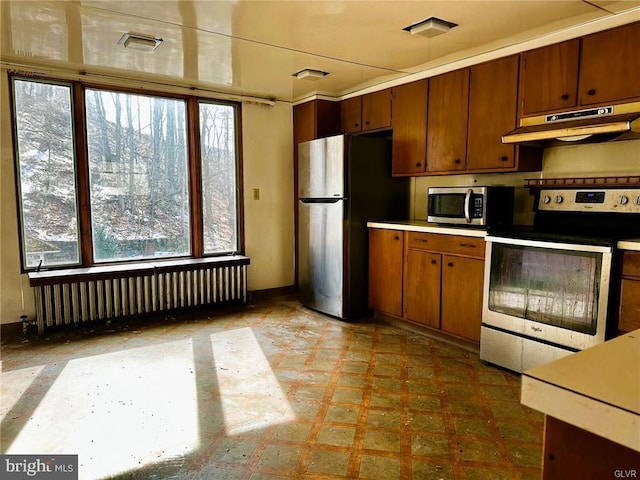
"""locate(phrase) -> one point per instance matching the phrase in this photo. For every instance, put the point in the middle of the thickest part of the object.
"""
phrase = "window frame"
(82, 174)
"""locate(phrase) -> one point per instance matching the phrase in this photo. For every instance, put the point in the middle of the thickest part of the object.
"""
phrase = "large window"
(128, 179)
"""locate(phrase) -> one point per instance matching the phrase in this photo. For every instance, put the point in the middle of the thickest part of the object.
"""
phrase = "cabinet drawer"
(456, 244)
(631, 264)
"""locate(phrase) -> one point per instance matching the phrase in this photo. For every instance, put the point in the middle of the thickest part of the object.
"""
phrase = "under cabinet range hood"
(601, 124)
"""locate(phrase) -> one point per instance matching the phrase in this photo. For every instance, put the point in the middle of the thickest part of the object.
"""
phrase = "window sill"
(102, 272)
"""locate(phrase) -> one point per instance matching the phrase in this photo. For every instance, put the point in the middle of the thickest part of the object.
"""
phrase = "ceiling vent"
(139, 42)
(430, 27)
(310, 74)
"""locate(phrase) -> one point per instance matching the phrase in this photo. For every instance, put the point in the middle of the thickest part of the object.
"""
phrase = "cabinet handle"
(591, 92)
(356, 124)
(450, 264)
(367, 122)
(433, 262)
(421, 240)
(469, 245)
(565, 96)
(457, 161)
(504, 158)
(396, 237)
(418, 164)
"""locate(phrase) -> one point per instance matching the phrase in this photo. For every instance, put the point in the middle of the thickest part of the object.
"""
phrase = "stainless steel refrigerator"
(343, 182)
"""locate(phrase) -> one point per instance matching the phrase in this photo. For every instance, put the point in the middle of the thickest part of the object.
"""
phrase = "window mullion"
(195, 177)
(82, 173)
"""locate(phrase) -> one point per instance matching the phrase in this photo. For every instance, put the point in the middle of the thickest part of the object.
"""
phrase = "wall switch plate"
(256, 194)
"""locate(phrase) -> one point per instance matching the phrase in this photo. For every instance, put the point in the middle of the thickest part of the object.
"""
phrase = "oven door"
(550, 298)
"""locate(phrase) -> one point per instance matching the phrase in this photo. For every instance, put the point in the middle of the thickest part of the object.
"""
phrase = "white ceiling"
(253, 47)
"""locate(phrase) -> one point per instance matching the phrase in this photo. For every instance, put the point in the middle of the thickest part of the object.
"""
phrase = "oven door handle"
(574, 247)
(467, 205)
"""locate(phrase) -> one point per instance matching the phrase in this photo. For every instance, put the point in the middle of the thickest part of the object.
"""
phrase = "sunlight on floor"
(14, 384)
(118, 411)
(249, 391)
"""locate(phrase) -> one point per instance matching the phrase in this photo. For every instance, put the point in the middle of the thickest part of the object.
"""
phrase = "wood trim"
(240, 178)
(82, 175)
(195, 177)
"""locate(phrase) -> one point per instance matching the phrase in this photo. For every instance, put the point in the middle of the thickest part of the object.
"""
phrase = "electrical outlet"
(256, 194)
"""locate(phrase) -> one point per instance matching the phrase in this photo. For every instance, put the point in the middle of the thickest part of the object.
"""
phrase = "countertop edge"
(425, 227)
(629, 245)
(583, 412)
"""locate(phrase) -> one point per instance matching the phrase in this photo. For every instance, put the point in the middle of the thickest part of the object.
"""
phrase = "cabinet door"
(549, 77)
(304, 122)
(386, 250)
(493, 102)
(327, 118)
(447, 123)
(376, 110)
(409, 112)
(610, 65)
(351, 115)
(629, 305)
(461, 310)
(422, 287)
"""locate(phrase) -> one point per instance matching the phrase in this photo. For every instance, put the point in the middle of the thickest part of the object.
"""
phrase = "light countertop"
(597, 389)
(633, 244)
(423, 226)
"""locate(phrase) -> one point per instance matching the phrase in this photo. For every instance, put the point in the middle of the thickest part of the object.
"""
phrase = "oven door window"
(556, 287)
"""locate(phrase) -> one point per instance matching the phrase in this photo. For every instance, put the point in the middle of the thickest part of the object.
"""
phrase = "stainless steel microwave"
(479, 206)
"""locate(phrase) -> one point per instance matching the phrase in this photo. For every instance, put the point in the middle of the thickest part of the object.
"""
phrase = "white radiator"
(155, 290)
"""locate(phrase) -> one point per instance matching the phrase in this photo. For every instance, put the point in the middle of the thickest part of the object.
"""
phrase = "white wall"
(15, 295)
(268, 166)
(268, 222)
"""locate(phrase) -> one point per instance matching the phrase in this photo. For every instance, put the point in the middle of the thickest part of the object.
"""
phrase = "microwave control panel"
(606, 200)
(477, 206)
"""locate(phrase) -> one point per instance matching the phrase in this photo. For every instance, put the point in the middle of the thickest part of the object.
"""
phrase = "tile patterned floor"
(272, 391)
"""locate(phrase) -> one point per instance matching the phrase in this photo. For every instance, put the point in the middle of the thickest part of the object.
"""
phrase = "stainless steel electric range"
(547, 286)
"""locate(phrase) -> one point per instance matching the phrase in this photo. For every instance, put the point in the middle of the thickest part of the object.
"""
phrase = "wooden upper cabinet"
(447, 121)
(549, 78)
(351, 115)
(376, 110)
(304, 122)
(610, 66)
(409, 114)
(366, 112)
(315, 119)
(493, 102)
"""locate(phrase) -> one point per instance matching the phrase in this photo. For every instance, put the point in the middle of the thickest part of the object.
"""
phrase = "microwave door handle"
(467, 205)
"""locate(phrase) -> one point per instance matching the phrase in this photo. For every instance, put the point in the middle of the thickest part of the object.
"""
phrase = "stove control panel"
(618, 200)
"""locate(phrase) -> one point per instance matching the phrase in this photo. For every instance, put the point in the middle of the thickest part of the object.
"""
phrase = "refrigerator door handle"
(322, 200)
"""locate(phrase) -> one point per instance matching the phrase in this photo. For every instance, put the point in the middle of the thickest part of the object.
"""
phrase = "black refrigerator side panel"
(374, 195)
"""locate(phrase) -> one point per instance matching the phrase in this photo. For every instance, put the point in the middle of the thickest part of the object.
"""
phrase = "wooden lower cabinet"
(629, 309)
(434, 280)
(461, 309)
(570, 452)
(386, 253)
(422, 287)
